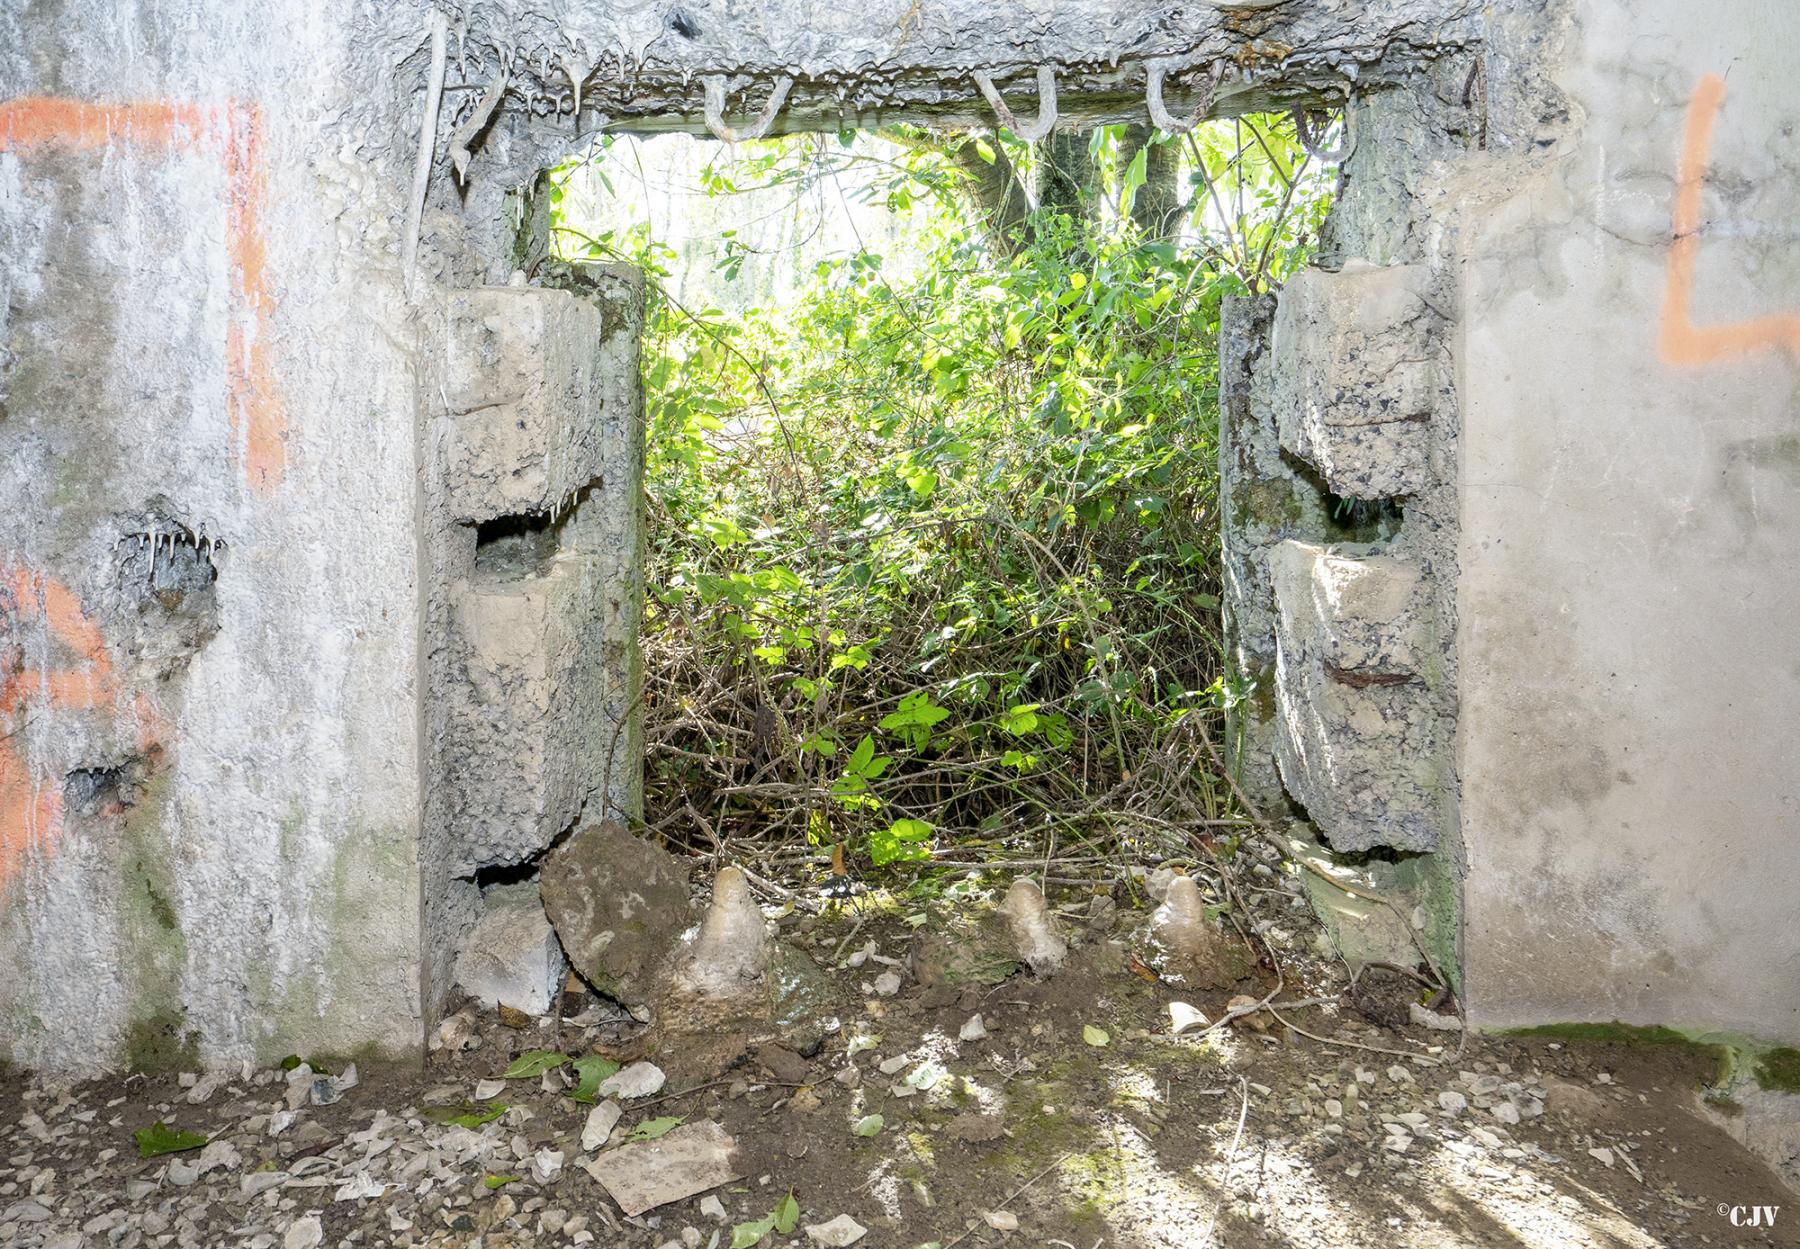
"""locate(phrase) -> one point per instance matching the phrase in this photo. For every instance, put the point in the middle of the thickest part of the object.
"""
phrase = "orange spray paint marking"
(234, 133)
(31, 809)
(1681, 342)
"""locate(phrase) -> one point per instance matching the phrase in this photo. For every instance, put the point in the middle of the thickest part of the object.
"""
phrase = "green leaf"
(464, 1115)
(533, 1063)
(861, 757)
(900, 841)
(745, 1235)
(787, 1214)
(1097, 1037)
(159, 1138)
(650, 1129)
(499, 1181)
(590, 1070)
(869, 1125)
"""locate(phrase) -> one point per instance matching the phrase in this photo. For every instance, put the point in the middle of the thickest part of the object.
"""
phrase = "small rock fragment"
(1184, 1018)
(887, 984)
(1001, 1220)
(640, 1079)
(303, 1233)
(836, 1234)
(973, 1029)
(601, 1120)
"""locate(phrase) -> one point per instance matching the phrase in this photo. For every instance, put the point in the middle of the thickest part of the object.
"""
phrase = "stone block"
(527, 731)
(524, 383)
(1359, 374)
(620, 904)
(1360, 734)
(511, 957)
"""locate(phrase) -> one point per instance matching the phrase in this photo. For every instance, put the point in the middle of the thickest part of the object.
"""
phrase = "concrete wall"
(209, 590)
(1629, 734)
(1568, 715)
(316, 599)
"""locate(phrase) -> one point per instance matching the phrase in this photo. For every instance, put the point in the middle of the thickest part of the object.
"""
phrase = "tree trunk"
(997, 195)
(1066, 175)
(1157, 207)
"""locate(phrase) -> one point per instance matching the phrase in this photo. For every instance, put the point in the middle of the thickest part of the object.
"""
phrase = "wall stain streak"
(1681, 342)
(232, 132)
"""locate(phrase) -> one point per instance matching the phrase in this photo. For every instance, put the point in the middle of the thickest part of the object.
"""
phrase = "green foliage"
(650, 1129)
(933, 556)
(590, 1070)
(783, 1219)
(159, 1138)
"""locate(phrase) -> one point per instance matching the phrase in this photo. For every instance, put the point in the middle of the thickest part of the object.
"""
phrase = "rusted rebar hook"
(1046, 118)
(1154, 73)
(1310, 142)
(715, 109)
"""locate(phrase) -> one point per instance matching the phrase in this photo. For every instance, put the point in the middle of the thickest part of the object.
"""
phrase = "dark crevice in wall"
(523, 544)
(1347, 520)
(163, 592)
(106, 791)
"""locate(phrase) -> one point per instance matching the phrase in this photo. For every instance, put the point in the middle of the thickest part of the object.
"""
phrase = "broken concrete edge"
(645, 67)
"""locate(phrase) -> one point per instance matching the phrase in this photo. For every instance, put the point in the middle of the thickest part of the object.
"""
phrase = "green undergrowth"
(933, 555)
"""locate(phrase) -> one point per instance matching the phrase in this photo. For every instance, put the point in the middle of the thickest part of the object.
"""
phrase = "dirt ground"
(1078, 1115)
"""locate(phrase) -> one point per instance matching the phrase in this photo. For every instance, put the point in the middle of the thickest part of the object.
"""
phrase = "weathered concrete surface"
(640, 65)
(1361, 743)
(1627, 744)
(209, 780)
(1359, 373)
(511, 957)
(521, 400)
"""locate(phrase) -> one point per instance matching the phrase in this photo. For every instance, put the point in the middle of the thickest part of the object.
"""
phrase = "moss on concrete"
(1721, 1053)
(1779, 1068)
(157, 1034)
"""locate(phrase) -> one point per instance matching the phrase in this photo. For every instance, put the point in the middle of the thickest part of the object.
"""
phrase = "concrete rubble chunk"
(639, 1079)
(1360, 741)
(1359, 374)
(525, 716)
(601, 1120)
(1192, 948)
(837, 1233)
(731, 953)
(512, 957)
(683, 1162)
(1033, 929)
(619, 904)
